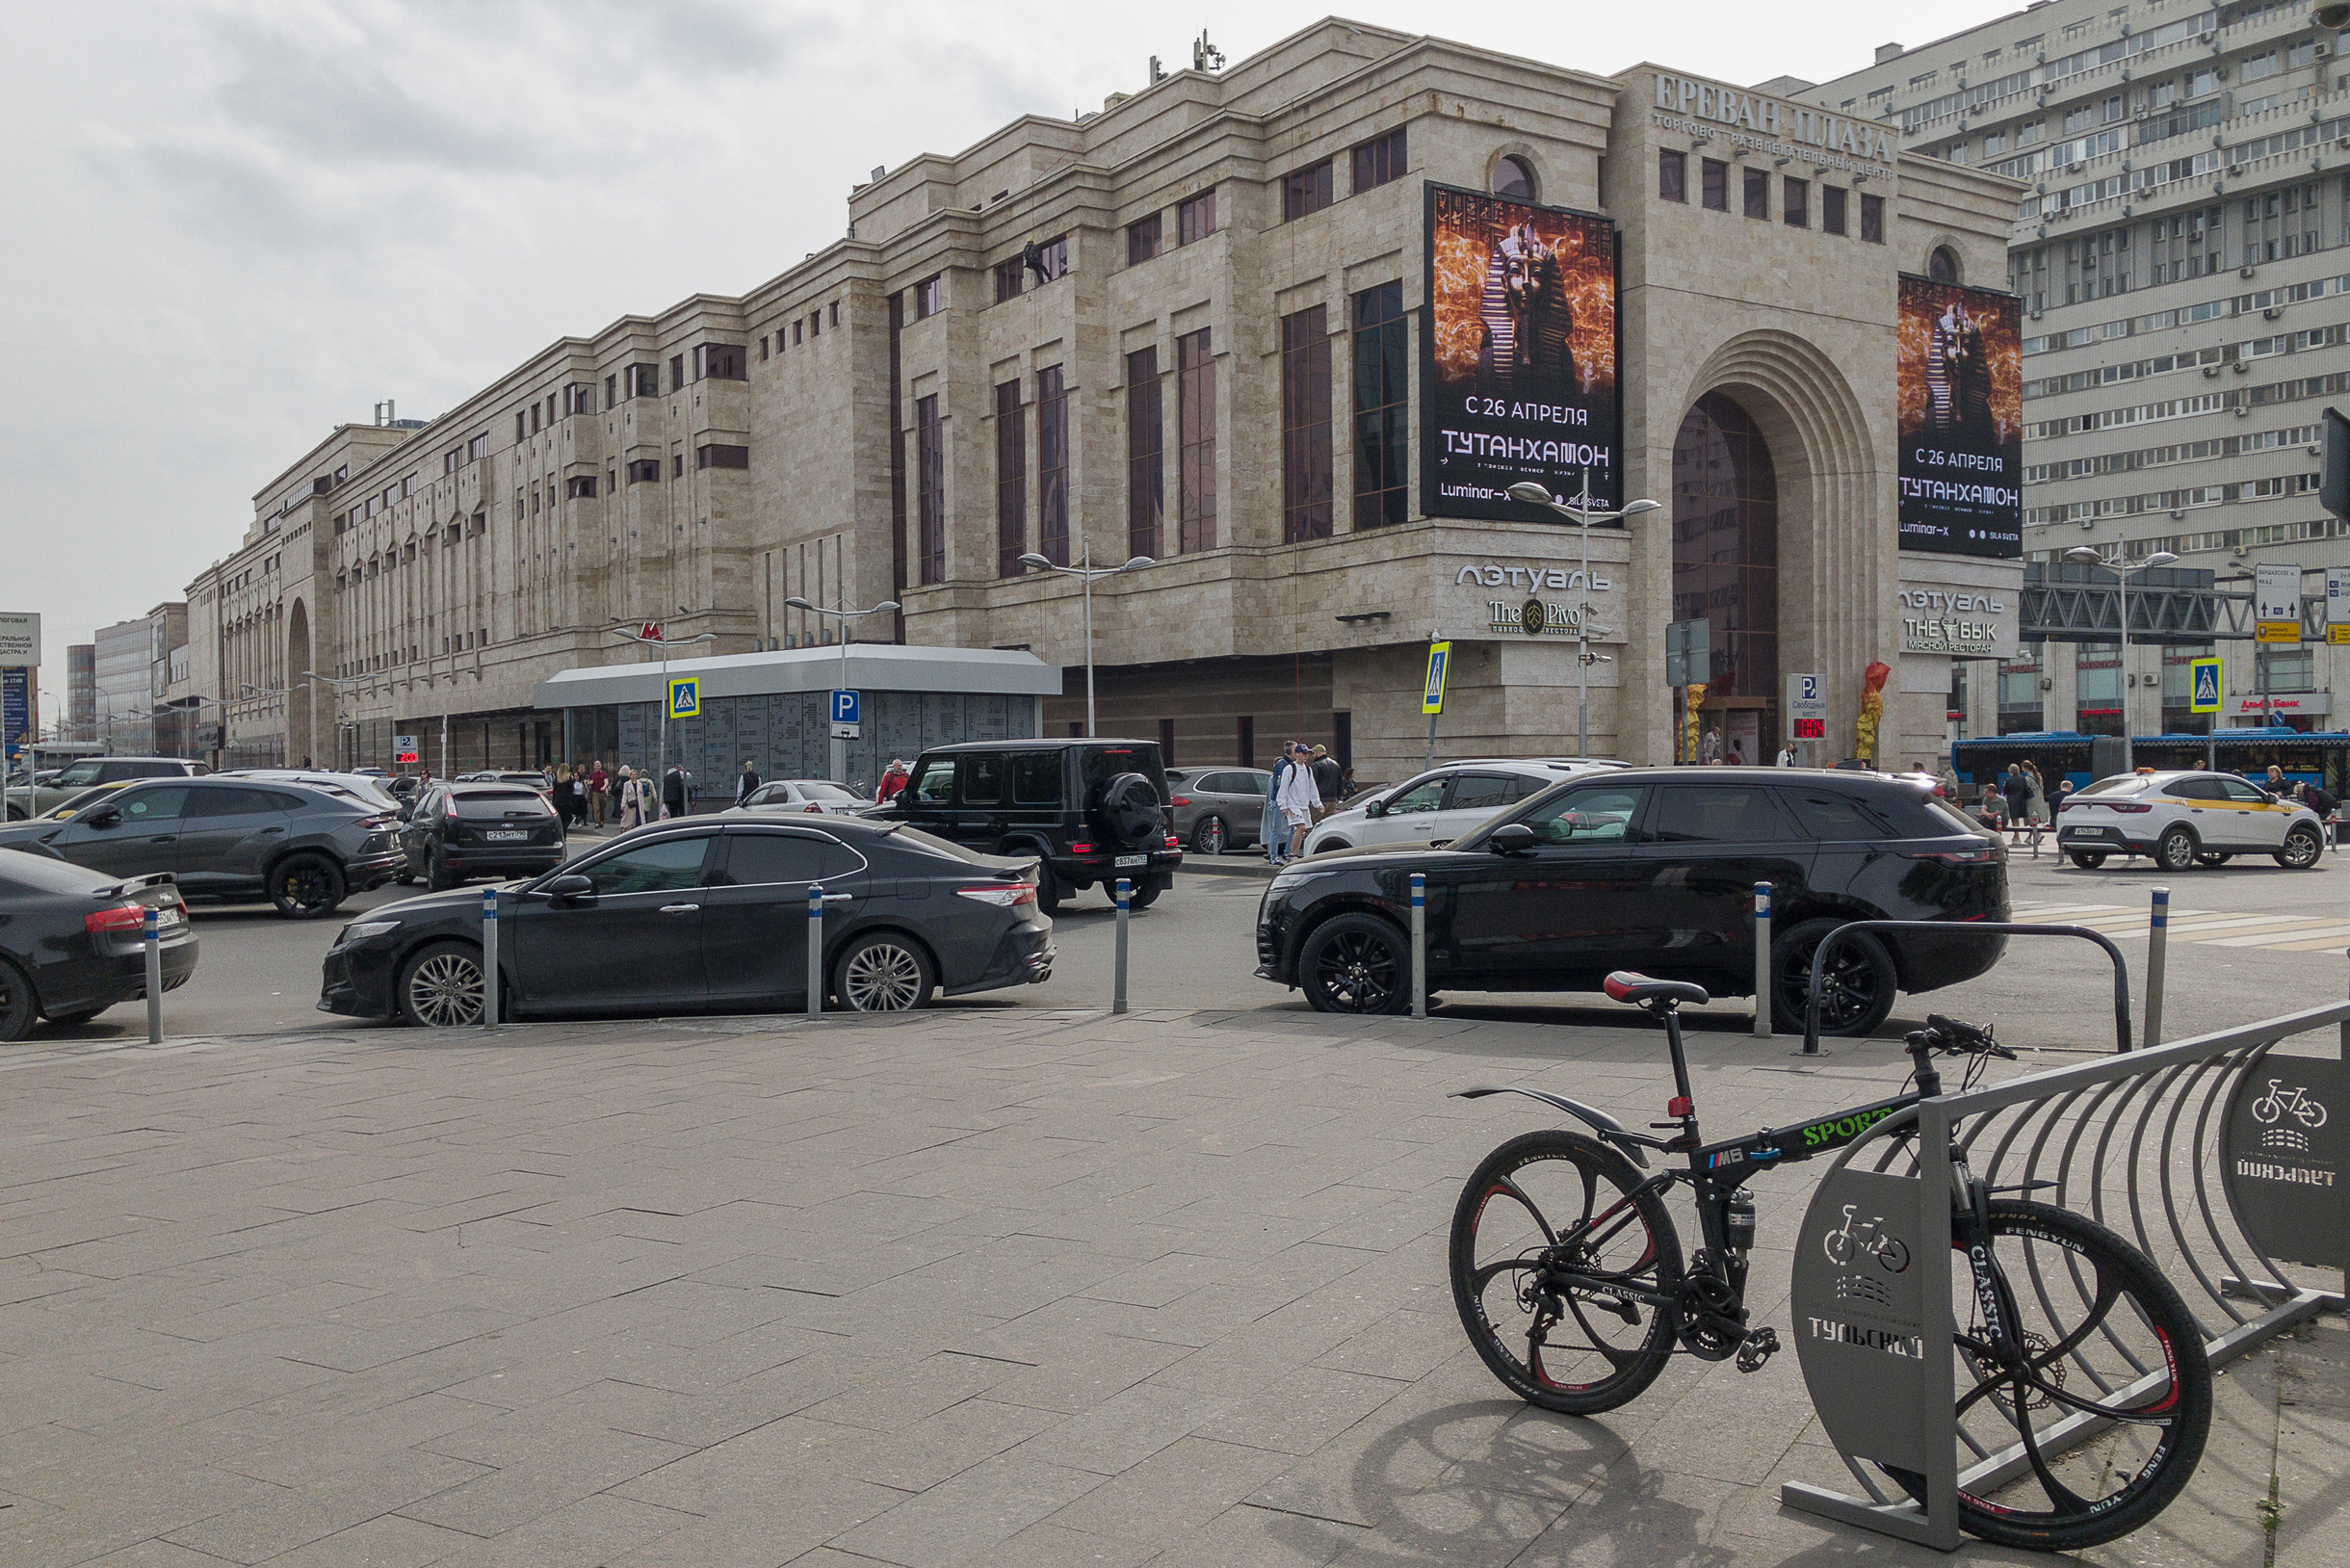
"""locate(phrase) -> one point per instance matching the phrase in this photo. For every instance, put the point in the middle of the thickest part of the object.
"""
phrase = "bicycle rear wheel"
(1551, 1200)
(2106, 1338)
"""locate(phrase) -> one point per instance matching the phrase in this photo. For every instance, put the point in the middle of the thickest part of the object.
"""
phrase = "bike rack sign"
(1860, 1320)
(2284, 1154)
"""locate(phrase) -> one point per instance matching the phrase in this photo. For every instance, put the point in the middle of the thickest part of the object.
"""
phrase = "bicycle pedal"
(1758, 1348)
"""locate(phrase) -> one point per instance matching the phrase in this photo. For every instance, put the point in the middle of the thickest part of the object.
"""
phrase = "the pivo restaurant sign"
(1766, 124)
(1528, 596)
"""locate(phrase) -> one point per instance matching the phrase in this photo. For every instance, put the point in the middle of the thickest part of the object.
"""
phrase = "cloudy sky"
(235, 224)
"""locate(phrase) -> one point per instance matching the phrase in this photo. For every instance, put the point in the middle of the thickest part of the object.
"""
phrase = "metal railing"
(1946, 928)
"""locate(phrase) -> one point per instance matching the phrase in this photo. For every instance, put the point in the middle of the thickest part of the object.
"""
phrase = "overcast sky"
(235, 224)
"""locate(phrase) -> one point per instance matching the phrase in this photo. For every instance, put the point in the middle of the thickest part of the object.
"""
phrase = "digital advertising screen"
(1519, 358)
(1961, 389)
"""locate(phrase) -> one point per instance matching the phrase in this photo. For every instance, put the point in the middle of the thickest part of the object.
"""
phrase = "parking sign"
(1807, 708)
(404, 748)
(685, 696)
(2204, 693)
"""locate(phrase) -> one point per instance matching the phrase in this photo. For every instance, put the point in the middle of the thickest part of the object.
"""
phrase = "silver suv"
(304, 848)
(83, 772)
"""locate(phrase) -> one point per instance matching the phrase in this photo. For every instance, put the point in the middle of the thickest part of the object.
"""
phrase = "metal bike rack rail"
(1948, 928)
(2132, 1141)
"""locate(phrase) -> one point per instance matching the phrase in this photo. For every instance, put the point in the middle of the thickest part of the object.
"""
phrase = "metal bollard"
(151, 937)
(816, 950)
(490, 957)
(1762, 960)
(1420, 945)
(1118, 991)
(2157, 947)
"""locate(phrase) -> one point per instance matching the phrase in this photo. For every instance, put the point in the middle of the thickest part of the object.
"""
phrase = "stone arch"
(1944, 265)
(1525, 156)
(300, 741)
(1834, 540)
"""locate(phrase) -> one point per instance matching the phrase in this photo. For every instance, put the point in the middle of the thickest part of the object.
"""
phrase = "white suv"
(1443, 804)
(2186, 818)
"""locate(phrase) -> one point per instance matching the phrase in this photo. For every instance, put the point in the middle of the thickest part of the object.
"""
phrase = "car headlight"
(359, 930)
(1284, 881)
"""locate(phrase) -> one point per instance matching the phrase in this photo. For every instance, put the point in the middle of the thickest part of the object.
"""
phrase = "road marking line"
(2303, 934)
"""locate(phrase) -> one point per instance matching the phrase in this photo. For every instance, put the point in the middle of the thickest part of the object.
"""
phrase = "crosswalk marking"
(2213, 927)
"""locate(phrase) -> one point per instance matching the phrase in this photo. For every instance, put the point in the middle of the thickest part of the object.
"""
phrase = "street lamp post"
(2087, 555)
(1539, 495)
(335, 684)
(665, 643)
(839, 747)
(1085, 571)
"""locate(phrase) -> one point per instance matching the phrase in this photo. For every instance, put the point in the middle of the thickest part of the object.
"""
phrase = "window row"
(1754, 195)
(1195, 220)
(1307, 190)
(802, 328)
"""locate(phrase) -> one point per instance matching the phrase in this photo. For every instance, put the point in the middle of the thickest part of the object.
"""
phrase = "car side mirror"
(1374, 809)
(1511, 838)
(573, 886)
(109, 818)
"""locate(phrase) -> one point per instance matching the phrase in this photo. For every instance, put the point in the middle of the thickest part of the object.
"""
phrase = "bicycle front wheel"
(2110, 1401)
(1545, 1223)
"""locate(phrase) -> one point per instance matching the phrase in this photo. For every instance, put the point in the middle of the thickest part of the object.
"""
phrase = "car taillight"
(1173, 843)
(2132, 811)
(1180, 801)
(119, 917)
(813, 806)
(1003, 895)
(1080, 847)
(1981, 856)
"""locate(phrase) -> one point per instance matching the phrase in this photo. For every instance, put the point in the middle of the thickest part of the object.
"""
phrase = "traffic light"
(2334, 482)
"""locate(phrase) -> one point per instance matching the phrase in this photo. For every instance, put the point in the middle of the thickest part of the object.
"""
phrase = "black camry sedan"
(707, 915)
(72, 940)
(1655, 870)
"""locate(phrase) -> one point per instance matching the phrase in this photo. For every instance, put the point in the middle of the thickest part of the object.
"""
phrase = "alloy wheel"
(446, 990)
(308, 889)
(1210, 839)
(1358, 971)
(1846, 991)
(882, 978)
(2302, 848)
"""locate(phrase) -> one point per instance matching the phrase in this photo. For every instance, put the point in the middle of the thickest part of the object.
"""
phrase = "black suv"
(452, 832)
(1093, 810)
(1655, 870)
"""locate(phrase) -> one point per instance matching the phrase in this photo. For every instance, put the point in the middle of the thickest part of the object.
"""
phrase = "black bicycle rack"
(1946, 928)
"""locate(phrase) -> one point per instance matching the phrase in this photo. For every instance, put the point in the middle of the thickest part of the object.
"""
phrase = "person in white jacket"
(1298, 798)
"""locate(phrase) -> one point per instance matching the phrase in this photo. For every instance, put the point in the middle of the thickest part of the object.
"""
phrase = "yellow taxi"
(2186, 818)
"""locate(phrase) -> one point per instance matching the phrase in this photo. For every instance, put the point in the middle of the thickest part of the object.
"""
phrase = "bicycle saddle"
(1639, 991)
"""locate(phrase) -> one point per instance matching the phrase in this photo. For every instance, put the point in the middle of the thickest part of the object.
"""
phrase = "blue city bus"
(2320, 758)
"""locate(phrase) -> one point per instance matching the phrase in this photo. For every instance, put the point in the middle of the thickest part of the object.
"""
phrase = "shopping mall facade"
(1289, 329)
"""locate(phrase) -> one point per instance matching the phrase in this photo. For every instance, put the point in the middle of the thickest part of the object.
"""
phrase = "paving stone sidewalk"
(981, 1286)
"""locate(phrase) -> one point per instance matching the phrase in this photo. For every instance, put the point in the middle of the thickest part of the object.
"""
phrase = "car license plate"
(507, 835)
(1125, 860)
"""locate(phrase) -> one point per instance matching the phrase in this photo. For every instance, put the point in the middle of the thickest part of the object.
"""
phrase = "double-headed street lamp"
(1085, 571)
(1582, 516)
(839, 747)
(636, 634)
(2088, 555)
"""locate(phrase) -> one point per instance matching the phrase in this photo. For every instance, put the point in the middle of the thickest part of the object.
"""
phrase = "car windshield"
(80, 776)
(501, 803)
(2118, 784)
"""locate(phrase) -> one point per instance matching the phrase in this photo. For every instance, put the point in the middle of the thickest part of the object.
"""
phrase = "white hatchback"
(1443, 804)
(2183, 818)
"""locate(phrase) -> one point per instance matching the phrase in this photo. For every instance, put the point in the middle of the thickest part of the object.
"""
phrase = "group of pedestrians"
(1307, 783)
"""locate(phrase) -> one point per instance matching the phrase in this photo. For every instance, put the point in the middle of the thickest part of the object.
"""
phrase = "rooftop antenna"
(1206, 56)
(1158, 72)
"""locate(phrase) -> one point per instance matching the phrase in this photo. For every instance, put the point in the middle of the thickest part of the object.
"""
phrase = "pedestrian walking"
(748, 782)
(559, 796)
(636, 798)
(1299, 798)
(673, 796)
(1269, 831)
(892, 780)
(1787, 755)
(2035, 804)
(1347, 785)
(1329, 781)
(599, 792)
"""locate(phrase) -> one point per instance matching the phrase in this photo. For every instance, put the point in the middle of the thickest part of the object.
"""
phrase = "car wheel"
(1048, 892)
(1857, 992)
(2088, 859)
(2214, 857)
(1142, 898)
(307, 886)
(438, 878)
(883, 973)
(2176, 851)
(17, 814)
(1356, 963)
(1209, 837)
(2302, 848)
(18, 1008)
(440, 986)
(76, 1018)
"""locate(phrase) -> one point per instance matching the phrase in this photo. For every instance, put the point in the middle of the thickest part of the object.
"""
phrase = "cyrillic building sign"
(1684, 103)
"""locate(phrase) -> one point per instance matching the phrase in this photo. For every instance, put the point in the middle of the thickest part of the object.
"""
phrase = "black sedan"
(1655, 870)
(72, 944)
(456, 831)
(708, 915)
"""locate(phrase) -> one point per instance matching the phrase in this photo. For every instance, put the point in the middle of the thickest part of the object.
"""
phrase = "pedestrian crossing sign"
(2205, 695)
(1432, 695)
(685, 696)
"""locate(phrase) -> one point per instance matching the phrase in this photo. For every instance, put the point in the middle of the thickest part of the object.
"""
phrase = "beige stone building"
(1190, 326)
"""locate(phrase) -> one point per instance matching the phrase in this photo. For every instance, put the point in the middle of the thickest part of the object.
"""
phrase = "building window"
(643, 381)
(719, 362)
(1012, 479)
(1195, 218)
(929, 299)
(1051, 259)
(930, 488)
(1195, 440)
(1713, 184)
(1795, 203)
(1145, 457)
(816, 323)
(1382, 400)
(1672, 175)
(834, 310)
(1305, 425)
(1942, 265)
(1307, 190)
(1511, 178)
(718, 457)
(677, 465)
(644, 471)
(763, 348)
(1872, 219)
(1053, 466)
(478, 448)
(581, 488)
(1143, 240)
(521, 425)
(677, 372)
(1377, 162)
(1832, 209)
(1011, 277)
(1757, 193)
(799, 333)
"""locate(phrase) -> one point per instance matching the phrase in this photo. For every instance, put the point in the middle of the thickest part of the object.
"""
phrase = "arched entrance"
(1726, 573)
(300, 742)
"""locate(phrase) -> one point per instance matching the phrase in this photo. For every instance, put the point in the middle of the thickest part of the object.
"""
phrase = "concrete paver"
(1019, 1287)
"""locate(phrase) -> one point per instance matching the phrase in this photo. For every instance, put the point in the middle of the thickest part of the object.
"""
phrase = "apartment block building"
(2182, 251)
(1192, 326)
